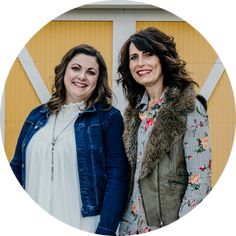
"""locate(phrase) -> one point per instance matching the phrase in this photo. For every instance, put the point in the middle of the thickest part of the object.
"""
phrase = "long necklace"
(54, 140)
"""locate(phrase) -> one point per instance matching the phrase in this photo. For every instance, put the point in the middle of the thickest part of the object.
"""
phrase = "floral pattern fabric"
(134, 220)
(198, 159)
(198, 163)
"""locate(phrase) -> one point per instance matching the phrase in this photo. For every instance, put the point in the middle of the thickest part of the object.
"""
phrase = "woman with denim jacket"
(166, 134)
(70, 156)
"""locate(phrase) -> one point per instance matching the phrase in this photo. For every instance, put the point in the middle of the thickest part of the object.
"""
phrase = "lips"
(143, 72)
(79, 84)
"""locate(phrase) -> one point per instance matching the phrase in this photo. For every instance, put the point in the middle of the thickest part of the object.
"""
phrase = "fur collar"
(170, 125)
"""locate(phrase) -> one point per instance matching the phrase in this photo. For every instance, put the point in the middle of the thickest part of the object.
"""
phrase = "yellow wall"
(200, 58)
(46, 48)
(53, 40)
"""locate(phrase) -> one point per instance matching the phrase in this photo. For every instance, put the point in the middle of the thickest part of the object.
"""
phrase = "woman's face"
(80, 78)
(145, 67)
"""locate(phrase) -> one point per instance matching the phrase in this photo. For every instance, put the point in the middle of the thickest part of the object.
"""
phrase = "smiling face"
(145, 67)
(80, 78)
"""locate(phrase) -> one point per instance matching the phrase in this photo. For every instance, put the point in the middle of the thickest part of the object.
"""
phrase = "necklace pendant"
(52, 167)
(53, 141)
(52, 172)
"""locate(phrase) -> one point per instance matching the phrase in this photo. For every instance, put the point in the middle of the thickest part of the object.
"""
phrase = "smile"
(79, 84)
(143, 72)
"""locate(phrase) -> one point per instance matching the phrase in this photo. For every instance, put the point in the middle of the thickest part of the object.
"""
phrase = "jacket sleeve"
(198, 159)
(117, 176)
(16, 162)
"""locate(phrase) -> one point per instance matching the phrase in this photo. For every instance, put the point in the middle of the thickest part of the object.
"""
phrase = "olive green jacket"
(163, 178)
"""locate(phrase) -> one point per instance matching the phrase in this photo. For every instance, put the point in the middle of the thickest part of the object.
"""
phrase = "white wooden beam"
(34, 76)
(212, 79)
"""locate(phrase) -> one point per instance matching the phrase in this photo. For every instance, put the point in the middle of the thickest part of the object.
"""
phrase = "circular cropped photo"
(114, 121)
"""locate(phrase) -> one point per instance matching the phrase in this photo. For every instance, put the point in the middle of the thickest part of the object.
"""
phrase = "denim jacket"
(102, 163)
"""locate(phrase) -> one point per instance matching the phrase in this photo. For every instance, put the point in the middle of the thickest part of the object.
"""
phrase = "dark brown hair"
(102, 92)
(158, 43)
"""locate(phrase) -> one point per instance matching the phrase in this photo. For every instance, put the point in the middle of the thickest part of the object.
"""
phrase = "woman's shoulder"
(114, 110)
(199, 115)
(110, 115)
(108, 109)
(39, 108)
(113, 113)
(37, 111)
(202, 100)
(201, 105)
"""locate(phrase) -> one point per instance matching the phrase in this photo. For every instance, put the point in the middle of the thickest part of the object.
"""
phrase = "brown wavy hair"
(102, 92)
(164, 47)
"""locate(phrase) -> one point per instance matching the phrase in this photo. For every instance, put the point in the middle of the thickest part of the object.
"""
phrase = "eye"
(90, 72)
(75, 68)
(133, 57)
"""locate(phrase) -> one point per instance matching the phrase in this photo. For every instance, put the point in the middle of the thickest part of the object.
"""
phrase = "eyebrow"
(133, 54)
(90, 68)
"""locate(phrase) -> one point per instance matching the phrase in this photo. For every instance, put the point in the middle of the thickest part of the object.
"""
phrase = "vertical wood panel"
(19, 100)
(222, 124)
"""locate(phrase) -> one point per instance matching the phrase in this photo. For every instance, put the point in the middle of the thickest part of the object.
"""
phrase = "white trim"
(111, 14)
(212, 79)
(121, 4)
(120, 33)
(90, 15)
(33, 75)
(151, 15)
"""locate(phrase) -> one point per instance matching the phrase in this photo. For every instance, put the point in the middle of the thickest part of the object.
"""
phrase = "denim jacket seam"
(106, 122)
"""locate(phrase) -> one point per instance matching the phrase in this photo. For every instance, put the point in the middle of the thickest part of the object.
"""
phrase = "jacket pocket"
(178, 182)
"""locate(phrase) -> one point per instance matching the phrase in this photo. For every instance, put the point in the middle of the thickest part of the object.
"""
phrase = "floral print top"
(198, 159)
(198, 163)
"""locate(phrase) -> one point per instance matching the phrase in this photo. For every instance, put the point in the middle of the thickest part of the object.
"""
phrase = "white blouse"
(60, 196)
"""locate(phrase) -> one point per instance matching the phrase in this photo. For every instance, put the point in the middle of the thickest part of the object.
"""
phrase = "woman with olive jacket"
(165, 135)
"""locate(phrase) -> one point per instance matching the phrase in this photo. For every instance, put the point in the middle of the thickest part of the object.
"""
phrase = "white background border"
(20, 20)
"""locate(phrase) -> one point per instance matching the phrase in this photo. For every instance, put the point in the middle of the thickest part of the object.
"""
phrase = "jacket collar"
(169, 127)
(45, 109)
(142, 106)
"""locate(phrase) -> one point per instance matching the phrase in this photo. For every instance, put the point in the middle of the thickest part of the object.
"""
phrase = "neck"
(154, 93)
(67, 101)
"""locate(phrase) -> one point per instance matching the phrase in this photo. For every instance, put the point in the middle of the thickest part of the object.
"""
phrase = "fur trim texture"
(169, 127)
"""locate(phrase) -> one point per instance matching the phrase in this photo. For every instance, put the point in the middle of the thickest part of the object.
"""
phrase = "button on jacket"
(102, 163)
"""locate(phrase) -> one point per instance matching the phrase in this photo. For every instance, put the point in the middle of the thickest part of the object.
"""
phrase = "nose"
(82, 75)
(141, 61)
